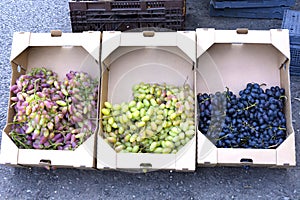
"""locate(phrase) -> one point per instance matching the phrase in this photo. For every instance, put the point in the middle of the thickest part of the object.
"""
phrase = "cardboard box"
(229, 58)
(150, 57)
(60, 52)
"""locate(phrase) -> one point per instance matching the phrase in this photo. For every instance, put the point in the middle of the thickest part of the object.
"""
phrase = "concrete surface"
(205, 183)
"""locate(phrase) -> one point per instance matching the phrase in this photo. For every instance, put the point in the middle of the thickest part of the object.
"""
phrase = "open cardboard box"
(149, 57)
(229, 58)
(60, 52)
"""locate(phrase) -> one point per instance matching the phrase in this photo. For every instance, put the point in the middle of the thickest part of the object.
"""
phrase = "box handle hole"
(56, 33)
(146, 165)
(45, 162)
(246, 160)
(242, 31)
(148, 33)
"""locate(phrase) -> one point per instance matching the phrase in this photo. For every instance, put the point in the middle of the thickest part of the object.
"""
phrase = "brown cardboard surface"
(228, 59)
(128, 59)
(149, 65)
(60, 54)
(235, 65)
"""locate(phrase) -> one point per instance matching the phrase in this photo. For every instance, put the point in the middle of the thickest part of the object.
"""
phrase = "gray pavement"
(205, 183)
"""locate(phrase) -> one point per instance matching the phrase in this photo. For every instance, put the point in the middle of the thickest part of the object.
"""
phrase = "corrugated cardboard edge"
(285, 154)
(80, 157)
(184, 41)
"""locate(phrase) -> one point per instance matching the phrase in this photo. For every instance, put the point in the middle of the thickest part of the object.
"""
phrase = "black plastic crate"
(252, 3)
(294, 70)
(255, 13)
(291, 21)
(126, 15)
(295, 55)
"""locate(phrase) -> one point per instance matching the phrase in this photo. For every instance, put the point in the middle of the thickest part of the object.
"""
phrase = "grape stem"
(19, 141)
(205, 100)
(248, 107)
(284, 97)
(263, 84)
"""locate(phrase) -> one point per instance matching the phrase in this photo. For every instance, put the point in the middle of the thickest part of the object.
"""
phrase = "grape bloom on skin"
(254, 119)
(160, 119)
(53, 114)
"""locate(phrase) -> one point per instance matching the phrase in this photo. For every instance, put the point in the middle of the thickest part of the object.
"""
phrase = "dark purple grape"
(249, 121)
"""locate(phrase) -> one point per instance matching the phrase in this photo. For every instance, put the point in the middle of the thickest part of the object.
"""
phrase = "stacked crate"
(291, 21)
(126, 15)
(267, 9)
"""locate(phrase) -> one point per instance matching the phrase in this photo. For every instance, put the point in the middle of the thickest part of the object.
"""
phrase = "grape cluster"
(160, 119)
(53, 114)
(254, 119)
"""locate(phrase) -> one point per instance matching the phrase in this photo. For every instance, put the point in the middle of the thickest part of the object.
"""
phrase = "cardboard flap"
(280, 40)
(286, 152)
(106, 153)
(277, 37)
(90, 41)
(9, 151)
(185, 158)
(205, 39)
(80, 157)
(185, 41)
(110, 41)
(207, 152)
(20, 43)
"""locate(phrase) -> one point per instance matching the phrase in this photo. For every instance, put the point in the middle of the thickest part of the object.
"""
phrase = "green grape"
(160, 119)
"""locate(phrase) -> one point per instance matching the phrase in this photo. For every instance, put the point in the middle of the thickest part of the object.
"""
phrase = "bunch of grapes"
(51, 114)
(160, 119)
(255, 119)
